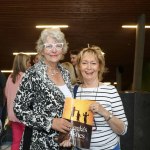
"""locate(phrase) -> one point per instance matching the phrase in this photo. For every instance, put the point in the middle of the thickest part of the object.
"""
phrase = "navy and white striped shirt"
(104, 138)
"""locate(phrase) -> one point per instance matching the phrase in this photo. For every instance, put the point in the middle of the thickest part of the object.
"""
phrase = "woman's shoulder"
(64, 71)
(60, 66)
(38, 67)
(30, 70)
(30, 73)
(107, 86)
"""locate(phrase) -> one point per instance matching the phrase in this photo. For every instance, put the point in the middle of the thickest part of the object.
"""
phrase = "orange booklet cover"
(77, 112)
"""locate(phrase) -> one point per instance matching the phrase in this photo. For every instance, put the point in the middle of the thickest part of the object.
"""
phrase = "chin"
(89, 78)
(55, 59)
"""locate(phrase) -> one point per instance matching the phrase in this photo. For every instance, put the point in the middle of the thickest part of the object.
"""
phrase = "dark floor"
(6, 139)
(6, 146)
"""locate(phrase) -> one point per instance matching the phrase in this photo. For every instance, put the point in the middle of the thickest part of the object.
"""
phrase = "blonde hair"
(19, 65)
(98, 53)
(69, 67)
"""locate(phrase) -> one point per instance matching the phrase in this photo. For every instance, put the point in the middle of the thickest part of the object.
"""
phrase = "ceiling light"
(52, 26)
(133, 26)
(6, 71)
(27, 53)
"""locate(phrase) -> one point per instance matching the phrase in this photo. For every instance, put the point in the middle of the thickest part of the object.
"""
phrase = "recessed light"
(27, 53)
(6, 71)
(133, 26)
(52, 26)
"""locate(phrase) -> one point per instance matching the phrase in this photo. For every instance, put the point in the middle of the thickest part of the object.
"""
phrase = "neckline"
(52, 71)
(62, 85)
(100, 84)
(95, 89)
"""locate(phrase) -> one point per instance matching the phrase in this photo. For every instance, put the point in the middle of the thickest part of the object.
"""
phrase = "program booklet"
(77, 112)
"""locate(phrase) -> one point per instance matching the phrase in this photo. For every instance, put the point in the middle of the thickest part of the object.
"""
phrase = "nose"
(54, 49)
(89, 66)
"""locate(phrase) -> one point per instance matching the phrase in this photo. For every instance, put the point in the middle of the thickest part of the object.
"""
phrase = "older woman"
(40, 99)
(109, 116)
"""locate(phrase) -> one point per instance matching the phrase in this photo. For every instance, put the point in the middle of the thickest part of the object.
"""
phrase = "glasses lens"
(59, 46)
(49, 46)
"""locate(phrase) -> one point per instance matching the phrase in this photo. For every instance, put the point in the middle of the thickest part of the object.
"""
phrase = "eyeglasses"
(57, 46)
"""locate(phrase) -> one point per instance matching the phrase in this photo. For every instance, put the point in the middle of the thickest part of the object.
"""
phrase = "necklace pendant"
(53, 72)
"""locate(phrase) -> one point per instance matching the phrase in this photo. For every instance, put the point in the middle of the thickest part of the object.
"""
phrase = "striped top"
(103, 138)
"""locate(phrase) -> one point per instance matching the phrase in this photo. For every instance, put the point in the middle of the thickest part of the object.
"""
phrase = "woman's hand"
(61, 125)
(12, 117)
(98, 108)
(66, 143)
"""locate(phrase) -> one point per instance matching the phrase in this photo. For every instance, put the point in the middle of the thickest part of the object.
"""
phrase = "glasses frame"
(53, 46)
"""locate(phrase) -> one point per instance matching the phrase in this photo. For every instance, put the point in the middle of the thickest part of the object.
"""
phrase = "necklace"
(53, 72)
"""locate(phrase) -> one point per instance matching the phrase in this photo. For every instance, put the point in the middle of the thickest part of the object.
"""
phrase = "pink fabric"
(10, 92)
(17, 127)
(17, 131)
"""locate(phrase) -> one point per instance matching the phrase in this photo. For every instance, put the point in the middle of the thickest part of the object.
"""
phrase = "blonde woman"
(21, 63)
(109, 115)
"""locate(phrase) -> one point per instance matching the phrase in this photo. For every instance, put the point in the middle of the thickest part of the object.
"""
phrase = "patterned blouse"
(37, 102)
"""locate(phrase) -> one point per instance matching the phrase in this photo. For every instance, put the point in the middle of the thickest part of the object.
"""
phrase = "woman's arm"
(117, 119)
(23, 106)
(116, 124)
(33, 106)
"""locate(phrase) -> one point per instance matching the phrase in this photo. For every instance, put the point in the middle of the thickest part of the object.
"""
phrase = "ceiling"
(96, 22)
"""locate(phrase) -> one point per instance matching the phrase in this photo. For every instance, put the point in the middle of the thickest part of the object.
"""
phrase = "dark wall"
(137, 109)
(146, 77)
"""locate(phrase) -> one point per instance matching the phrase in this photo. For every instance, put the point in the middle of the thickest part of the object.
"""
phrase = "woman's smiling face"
(52, 54)
(89, 66)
